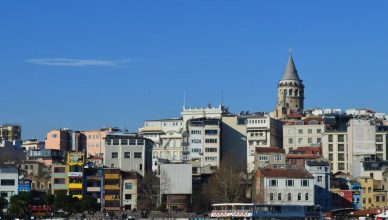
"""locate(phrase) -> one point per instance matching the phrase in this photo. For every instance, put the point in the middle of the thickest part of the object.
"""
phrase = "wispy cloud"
(78, 62)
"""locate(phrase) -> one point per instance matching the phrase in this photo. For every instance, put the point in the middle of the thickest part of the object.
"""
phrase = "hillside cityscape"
(206, 162)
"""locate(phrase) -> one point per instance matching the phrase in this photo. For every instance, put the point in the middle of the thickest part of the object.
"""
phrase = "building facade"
(129, 152)
(284, 186)
(9, 179)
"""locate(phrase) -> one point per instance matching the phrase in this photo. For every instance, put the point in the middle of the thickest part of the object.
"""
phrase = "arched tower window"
(296, 92)
(290, 92)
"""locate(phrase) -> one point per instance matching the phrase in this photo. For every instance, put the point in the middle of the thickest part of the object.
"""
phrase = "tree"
(149, 192)
(19, 205)
(89, 203)
(226, 185)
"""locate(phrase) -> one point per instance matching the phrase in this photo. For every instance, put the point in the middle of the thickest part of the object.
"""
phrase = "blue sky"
(89, 64)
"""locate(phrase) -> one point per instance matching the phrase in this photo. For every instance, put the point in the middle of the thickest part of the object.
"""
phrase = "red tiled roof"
(287, 172)
(261, 150)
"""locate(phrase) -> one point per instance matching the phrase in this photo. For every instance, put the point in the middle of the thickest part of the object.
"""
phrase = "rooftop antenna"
(184, 100)
(222, 98)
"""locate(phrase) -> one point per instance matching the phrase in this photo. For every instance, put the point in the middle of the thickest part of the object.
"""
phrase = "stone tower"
(290, 92)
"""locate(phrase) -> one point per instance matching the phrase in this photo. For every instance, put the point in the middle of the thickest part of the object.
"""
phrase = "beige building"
(290, 92)
(305, 132)
(335, 148)
(262, 131)
(10, 132)
(269, 156)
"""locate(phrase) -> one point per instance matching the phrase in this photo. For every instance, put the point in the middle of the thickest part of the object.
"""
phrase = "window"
(59, 181)
(108, 142)
(263, 157)
(299, 196)
(140, 141)
(196, 141)
(279, 196)
(309, 140)
(211, 132)
(127, 154)
(341, 157)
(300, 131)
(290, 140)
(137, 155)
(124, 142)
(211, 149)
(363, 200)
(128, 185)
(341, 166)
(320, 179)
(341, 138)
(132, 141)
(377, 198)
(304, 182)
(379, 147)
(54, 136)
(271, 197)
(273, 182)
(289, 196)
(310, 131)
(7, 182)
(278, 157)
(331, 157)
(115, 155)
(116, 141)
(306, 197)
(319, 131)
(379, 138)
(289, 182)
(300, 140)
(128, 196)
(196, 132)
(211, 140)
(369, 200)
(59, 169)
(383, 198)
(341, 147)
(319, 140)
(330, 147)
(330, 138)
(140, 167)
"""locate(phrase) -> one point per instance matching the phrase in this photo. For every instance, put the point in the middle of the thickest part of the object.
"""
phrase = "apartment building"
(269, 156)
(93, 181)
(11, 132)
(75, 180)
(95, 141)
(305, 132)
(111, 190)
(320, 170)
(58, 178)
(286, 185)
(32, 144)
(9, 179)
(46, 156)
(130, 190)
(204, 137)
(128, 152)
(262, 131)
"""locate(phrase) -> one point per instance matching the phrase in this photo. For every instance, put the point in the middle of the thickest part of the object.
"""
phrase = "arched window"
(306, 197)
(285, 92)
(296, 92)
(290, 92)
(271, 197)
(299, 196)
(289, 197)
(279, 196)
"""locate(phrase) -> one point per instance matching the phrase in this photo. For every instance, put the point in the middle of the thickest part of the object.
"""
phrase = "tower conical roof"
(290, 73)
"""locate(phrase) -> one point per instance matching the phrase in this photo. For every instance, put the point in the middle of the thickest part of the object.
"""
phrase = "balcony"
(112, 176)
(112, 187)
(111, 197)
(75, 186)
(93, 189)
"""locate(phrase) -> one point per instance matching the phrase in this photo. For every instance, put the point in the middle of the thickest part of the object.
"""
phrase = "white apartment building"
(9, 180)
(207, 112)
(301, 133)
(284, 186)
(204, 143)
(167, 137)
(262, 131)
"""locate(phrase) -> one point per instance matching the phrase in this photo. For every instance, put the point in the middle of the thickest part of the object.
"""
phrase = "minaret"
(290, 92)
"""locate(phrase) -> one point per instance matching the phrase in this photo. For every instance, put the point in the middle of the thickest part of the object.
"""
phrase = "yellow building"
(112, 183)
(75, 164)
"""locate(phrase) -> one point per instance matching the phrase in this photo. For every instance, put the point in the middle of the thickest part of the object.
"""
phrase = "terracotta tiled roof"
(286, 172)
(303, 156)
(261, 150)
